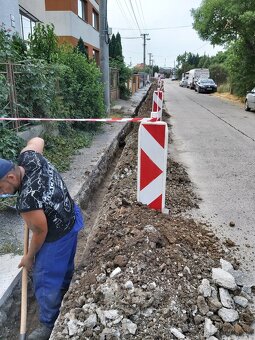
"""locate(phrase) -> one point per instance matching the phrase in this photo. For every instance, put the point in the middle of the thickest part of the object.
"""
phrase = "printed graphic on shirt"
(43, 188)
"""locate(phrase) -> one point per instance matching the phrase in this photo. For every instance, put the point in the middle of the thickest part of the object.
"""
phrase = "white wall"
(69, 24)
(35, 7)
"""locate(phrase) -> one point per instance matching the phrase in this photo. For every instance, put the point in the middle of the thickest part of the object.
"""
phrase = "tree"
(231, 24)
(155, 69)
(222, 22)
(112, 46)
(117, 61)
(219, 73)
(118, 47)
(80, 47)
(44, 43)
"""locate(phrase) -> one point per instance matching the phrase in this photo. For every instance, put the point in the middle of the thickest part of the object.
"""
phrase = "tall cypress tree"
(112, 47)
(118, 48)
(81, 47)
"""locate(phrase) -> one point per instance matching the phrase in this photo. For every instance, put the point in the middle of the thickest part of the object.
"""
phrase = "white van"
(195, 74)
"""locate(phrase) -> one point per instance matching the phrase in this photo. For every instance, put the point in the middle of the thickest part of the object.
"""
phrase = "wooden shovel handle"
(23, 317)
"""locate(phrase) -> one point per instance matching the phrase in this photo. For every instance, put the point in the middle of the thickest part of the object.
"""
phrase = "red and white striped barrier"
(157, 103)
(107, 120)
(152, 164)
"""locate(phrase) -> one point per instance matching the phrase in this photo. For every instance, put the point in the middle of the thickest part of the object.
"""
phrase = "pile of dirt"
(141, 270)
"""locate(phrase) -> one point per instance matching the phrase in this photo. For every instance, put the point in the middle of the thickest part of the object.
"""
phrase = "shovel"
(23, 317)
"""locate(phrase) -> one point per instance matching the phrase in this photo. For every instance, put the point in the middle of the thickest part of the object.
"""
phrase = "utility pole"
(104, 52)
(150, 58)
(144, 48)
(150, 64)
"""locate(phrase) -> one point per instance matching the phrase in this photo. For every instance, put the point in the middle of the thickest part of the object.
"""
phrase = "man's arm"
(37, 222)
(35, 144)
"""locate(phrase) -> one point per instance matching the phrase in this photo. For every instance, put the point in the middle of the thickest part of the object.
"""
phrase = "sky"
(168, 23)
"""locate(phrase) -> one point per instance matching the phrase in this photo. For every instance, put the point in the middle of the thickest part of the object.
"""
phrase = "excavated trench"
(138, 271)
(90, 199)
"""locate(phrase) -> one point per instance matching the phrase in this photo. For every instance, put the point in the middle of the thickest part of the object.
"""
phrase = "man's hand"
(26, 262)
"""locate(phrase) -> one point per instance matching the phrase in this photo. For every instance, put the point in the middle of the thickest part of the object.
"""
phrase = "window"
(27, 26)
(83, 9)
(96, 56)
(95, 20)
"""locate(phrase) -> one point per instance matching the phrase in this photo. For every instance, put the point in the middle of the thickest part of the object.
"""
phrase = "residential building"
(72, 19)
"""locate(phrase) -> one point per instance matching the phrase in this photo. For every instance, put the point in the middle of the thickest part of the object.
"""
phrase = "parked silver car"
(250, 100)
(183, 82)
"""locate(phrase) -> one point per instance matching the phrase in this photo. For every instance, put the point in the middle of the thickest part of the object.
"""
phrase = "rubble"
(153, 276)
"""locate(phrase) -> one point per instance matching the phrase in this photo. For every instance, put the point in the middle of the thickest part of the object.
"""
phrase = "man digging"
(54, 219)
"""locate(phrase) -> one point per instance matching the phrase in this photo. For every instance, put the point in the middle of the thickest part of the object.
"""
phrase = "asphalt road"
(215, 140)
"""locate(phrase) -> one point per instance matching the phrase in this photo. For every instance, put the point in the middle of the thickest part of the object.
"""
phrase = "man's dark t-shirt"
(43, 188)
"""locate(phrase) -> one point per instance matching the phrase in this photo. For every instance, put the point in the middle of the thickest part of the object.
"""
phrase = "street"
(215, 140)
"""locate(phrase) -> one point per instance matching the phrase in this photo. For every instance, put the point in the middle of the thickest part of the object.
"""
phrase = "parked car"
(250, 100)
(183, 82)
(174, 77)
(205, 85)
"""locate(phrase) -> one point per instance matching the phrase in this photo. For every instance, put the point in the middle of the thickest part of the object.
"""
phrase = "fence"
(114, 84)
(8, 102)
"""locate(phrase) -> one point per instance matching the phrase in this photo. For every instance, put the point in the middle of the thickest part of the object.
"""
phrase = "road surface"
(215, 139)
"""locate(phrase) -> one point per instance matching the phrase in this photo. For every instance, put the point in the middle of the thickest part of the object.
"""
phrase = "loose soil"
(162, 259)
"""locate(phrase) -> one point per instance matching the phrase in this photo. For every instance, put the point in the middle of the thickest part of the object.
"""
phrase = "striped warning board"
(152, 163)
(157, 102)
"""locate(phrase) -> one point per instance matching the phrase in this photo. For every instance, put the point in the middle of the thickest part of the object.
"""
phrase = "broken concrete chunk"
(177, 333)
(151, 229)
(241, 301)
(129, 326)
(91, 321)
(205, 289)
(223, 278)
(209, 328)
(226, 299)
(214, 304)
(202, 305)
(72, 327)
(228, 315)
(129, 285)
(225, 265)
(111, 332)
(111, 314)
(101, 278)
(115, 272)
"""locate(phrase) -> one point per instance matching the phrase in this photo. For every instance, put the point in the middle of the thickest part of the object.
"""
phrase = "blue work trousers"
(53, 271)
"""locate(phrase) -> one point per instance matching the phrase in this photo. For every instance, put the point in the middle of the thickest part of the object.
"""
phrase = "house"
(72, 19)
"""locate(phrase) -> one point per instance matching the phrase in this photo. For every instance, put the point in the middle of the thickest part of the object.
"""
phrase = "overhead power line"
(152, 29)
(134, 15)
(123, 12)
(139, 1)
(139, 13)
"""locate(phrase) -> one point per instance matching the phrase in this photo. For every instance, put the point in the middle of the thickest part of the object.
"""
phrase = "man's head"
(10, 177)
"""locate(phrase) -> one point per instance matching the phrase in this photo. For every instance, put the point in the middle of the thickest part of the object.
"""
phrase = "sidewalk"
(81, 179)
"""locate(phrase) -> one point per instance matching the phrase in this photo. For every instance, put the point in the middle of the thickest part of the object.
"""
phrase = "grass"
(224, 92)
(5, 202)
(229, 96)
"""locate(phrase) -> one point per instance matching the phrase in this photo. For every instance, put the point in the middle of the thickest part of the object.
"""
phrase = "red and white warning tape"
(108, 120)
